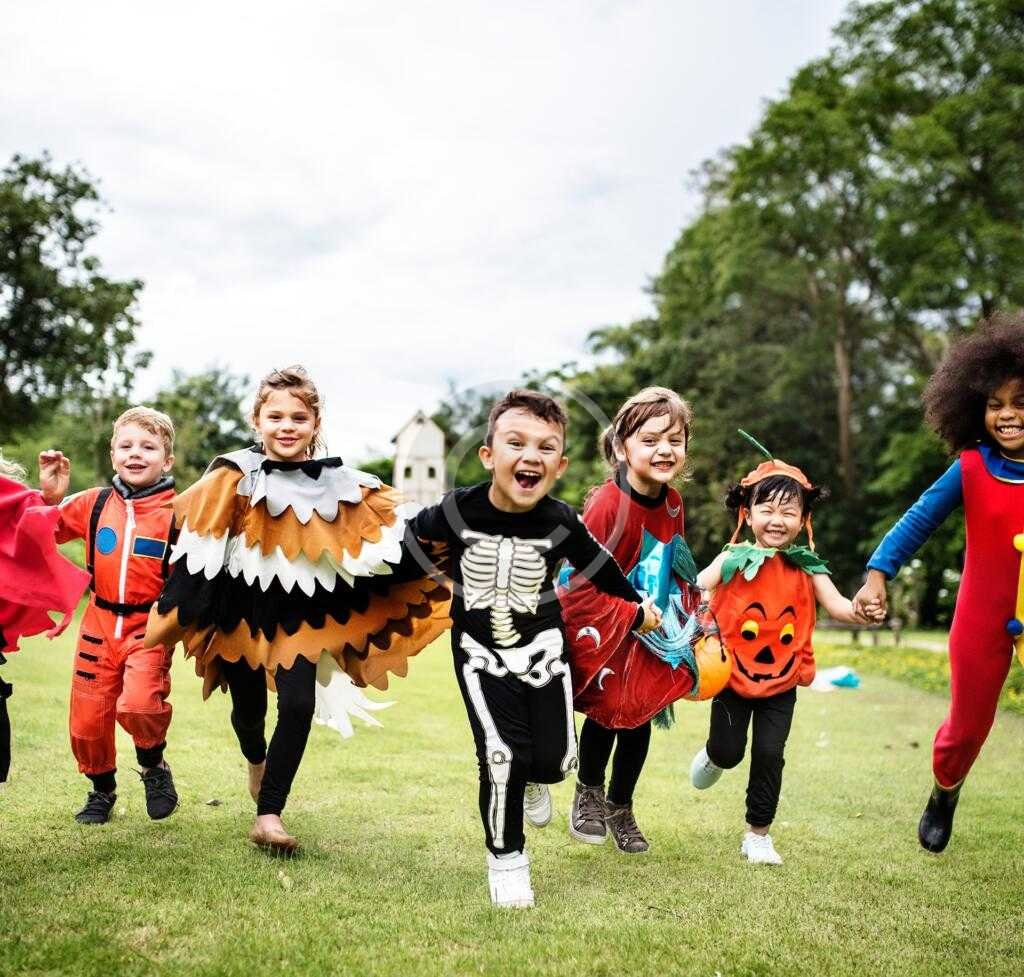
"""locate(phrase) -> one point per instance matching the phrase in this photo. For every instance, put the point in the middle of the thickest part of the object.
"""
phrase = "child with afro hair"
(975, 402)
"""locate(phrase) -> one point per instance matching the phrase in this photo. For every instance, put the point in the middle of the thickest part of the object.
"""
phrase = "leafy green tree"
(383, 468)
(65, 329)
(941, 85)
(208, 418)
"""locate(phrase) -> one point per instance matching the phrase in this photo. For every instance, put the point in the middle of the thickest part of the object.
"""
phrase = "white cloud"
(392, 194)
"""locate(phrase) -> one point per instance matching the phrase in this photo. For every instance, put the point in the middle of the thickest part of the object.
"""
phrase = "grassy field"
(393, 879)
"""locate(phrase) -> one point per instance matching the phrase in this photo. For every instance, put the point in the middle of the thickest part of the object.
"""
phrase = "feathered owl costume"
(280, 559)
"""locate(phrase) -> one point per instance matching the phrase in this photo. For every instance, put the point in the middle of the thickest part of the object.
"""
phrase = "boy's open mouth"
(528, 480)
(1010, 430)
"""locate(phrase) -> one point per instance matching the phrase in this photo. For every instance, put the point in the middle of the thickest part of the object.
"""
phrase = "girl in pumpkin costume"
(765, 597)
(975, 402)
(289, 572)
(621, 679)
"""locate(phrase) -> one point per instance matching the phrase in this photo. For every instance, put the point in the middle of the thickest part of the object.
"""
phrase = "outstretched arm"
(711, 576)
(841, 608)
(54, 476)
(909, 533)
(592, 560)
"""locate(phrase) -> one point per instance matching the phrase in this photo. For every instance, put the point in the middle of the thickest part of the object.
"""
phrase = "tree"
(208, 418)
(64, 327)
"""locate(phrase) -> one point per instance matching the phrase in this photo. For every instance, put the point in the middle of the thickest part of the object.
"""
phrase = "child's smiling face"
(286, 426)
(1004, 417)
(524, 459)
(139, 457)
(655, 453)
(776, 521)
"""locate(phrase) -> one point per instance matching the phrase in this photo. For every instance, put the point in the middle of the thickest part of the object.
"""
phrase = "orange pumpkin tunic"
(767, 624)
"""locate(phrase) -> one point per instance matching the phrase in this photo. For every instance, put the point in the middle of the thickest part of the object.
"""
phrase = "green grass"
(921, 660)
(393, 879)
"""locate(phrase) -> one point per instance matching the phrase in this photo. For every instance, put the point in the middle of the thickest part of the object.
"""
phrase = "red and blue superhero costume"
(116, 678)
(34, 579)
(991, 489)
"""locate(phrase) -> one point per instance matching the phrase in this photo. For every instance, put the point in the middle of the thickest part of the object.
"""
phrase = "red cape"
(34, 576)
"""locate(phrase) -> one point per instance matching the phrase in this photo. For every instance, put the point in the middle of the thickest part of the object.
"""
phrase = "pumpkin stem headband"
(773, 466)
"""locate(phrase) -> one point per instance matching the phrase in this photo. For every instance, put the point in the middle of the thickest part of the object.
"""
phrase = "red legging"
(979, 659)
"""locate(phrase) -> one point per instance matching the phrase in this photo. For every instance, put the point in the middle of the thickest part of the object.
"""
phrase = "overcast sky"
(393, 194)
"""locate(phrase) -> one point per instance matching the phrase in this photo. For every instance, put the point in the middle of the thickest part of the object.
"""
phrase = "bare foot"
(268, 832)
(256, 779)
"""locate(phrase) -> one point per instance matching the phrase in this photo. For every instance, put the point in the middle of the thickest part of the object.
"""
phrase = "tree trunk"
(844, 407)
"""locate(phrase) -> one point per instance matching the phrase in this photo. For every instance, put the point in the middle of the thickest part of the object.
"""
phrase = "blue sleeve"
(918, 522)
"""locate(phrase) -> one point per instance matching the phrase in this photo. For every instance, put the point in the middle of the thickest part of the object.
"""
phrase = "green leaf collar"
(747, 558)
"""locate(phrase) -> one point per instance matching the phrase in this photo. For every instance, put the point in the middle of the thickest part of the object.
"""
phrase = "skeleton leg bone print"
(532, 667)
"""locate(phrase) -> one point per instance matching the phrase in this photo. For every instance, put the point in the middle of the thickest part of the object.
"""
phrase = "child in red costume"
(621, 680)
(127, 533)
(34, 579)
(765, 599)
(975, 401)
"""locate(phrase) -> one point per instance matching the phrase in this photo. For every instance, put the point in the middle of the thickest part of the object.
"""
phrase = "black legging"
(596, 744)
(296, 701)
(727, 742)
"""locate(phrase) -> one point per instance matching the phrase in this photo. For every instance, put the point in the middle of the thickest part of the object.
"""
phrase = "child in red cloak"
(621, 680)
(975, 402)
(34, 579)
(765, 599)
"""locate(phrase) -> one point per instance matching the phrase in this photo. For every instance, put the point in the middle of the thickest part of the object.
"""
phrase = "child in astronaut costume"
(127, 531)
(502, 542)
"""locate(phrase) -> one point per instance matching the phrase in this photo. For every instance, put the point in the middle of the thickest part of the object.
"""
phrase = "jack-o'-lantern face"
(714, 666)
(764, 644)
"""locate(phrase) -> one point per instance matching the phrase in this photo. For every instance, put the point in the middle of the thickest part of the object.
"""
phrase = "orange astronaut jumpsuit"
(128, 541)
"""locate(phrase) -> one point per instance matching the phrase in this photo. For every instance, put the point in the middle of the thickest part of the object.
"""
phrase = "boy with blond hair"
(127, 528)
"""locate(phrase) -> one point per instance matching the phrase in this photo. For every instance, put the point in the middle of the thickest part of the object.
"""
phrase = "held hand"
(54, 476)
(652, 617)
(870, 600)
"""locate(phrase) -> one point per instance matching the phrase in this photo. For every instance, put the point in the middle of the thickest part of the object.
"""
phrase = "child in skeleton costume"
(503, 541)
(765, 599)
(290, 572)
(622, 680)
(34, 579)
(975, 401)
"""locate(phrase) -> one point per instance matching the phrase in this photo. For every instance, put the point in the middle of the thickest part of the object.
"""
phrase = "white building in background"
(419, 460)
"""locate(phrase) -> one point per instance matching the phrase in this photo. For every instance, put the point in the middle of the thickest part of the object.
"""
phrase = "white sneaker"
(537, 805)
(759, 850)
(509, 878)
(703, 773)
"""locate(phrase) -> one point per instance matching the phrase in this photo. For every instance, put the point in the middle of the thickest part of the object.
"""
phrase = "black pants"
(727, 742)
(523, 730)
(296, 701)
(596, 743)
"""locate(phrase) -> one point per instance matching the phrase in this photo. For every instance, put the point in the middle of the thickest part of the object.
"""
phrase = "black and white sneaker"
(98, 807)
(161, 797)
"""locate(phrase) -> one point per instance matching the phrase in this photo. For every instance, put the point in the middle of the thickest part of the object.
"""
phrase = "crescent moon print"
(602, 675)
(589, 632)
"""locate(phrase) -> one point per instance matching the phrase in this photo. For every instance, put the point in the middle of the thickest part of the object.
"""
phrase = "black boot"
(98, 806)
(936, 824)
(161, 797)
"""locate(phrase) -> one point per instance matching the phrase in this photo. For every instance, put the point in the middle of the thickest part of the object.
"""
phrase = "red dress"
(617, 680)
(34, 577)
